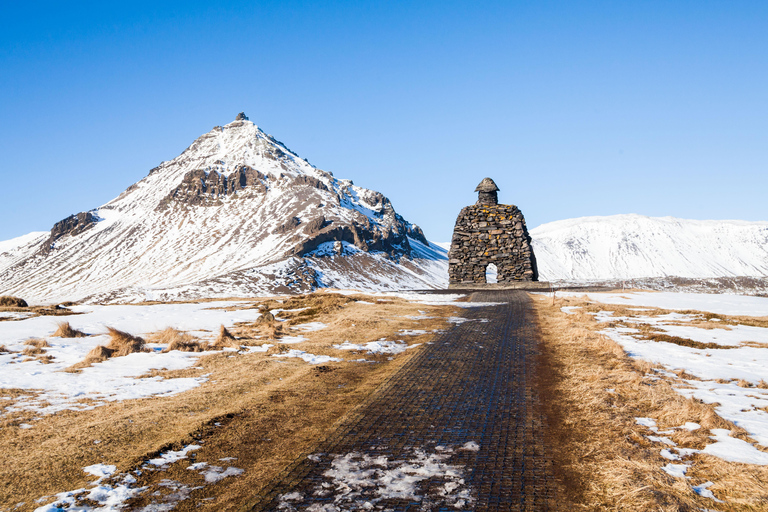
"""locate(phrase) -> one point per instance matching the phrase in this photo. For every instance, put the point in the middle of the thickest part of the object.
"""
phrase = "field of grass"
(256, 412)
(607, 460)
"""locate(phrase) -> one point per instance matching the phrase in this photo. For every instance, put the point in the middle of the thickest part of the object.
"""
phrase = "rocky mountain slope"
(634, 246)
(237, 213)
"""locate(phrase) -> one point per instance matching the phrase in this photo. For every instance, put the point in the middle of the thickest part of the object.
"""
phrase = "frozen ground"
(52, 390)
(732, 374)
(724, 304)
(116, 378)
(111, 491)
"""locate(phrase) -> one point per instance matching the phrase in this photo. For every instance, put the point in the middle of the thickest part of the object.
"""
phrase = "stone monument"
(490, 233)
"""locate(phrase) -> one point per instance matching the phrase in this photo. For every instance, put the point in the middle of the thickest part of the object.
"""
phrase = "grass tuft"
(35, 346)
(225, 339)
(122, 343)
(15, 302)
(177, 340)
(66, 331)
(37, 342)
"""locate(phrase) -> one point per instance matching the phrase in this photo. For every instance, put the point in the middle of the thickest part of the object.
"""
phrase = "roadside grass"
(263, 411)
(604, 461)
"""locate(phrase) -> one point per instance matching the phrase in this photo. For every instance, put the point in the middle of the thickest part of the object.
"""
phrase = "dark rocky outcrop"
(366, 236)
(72, 225)
(203, 187)
(309, 181)
(289, 225)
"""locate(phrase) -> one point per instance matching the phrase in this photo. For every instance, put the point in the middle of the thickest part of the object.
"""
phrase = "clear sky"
(573, 108)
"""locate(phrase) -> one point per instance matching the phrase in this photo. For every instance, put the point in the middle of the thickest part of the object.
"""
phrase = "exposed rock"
(72, 225)
(310, 181)
(241, 117)
(290, 225)
(203, 187)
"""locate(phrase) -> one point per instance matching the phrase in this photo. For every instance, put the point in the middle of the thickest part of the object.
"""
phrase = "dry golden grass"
(121, 343)
(33, 311)
(225, 339)
(37, 343)
(35, 347)
(66, 331)
(593, 393)
(264, 411)
(177, 340)
(10, 301)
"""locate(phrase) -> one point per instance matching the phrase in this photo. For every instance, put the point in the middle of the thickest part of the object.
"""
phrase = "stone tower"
(490, 233)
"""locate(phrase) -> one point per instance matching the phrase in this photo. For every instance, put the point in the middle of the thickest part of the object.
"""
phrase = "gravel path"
(457, 428)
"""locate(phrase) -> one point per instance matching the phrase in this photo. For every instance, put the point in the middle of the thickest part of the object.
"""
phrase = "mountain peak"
(237, 210)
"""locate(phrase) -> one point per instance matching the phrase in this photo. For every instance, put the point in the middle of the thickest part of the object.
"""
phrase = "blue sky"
(573, 108)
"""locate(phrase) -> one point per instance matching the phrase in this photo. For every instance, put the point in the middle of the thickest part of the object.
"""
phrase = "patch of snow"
(723, 304)
(358, 481)
(289, 340)
(251, 349)
(114, 379)
(100, 470)
(376, 347)
(171, 456)
(646, 422)
(309, 327)
(702, 491)
(734, 450)
(675, 470)
(309, 358)
(412, 332)
(214, 474)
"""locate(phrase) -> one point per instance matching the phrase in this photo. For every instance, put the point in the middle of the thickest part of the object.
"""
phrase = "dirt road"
(459, 427)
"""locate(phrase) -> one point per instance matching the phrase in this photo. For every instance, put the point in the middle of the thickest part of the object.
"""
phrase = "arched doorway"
(491, 274)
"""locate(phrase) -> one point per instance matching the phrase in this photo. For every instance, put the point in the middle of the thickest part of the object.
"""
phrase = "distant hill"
(633, 246)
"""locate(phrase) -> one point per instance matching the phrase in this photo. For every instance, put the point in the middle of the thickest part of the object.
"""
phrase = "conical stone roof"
(487, 185)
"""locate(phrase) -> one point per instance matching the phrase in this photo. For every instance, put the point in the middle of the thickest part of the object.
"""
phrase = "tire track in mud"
(458, 427)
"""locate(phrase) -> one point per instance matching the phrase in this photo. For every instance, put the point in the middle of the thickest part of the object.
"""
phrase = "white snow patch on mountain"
(635, 246)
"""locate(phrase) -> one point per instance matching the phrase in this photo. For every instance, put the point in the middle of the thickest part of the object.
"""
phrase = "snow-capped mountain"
(237, 213)
(634, 246)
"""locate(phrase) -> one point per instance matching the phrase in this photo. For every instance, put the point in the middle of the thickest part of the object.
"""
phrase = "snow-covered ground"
(732, 376)
(723, 304)
(111, 490)
(51, 389)
(114, 379)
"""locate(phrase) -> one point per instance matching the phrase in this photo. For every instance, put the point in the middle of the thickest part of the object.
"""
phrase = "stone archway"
(491, 233)
(491, 273)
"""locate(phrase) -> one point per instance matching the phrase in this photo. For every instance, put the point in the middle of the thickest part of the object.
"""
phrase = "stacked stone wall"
(486, 234)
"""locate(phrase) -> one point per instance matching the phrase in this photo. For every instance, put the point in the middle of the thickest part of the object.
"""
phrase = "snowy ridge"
(634, 246)
(236, 213)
